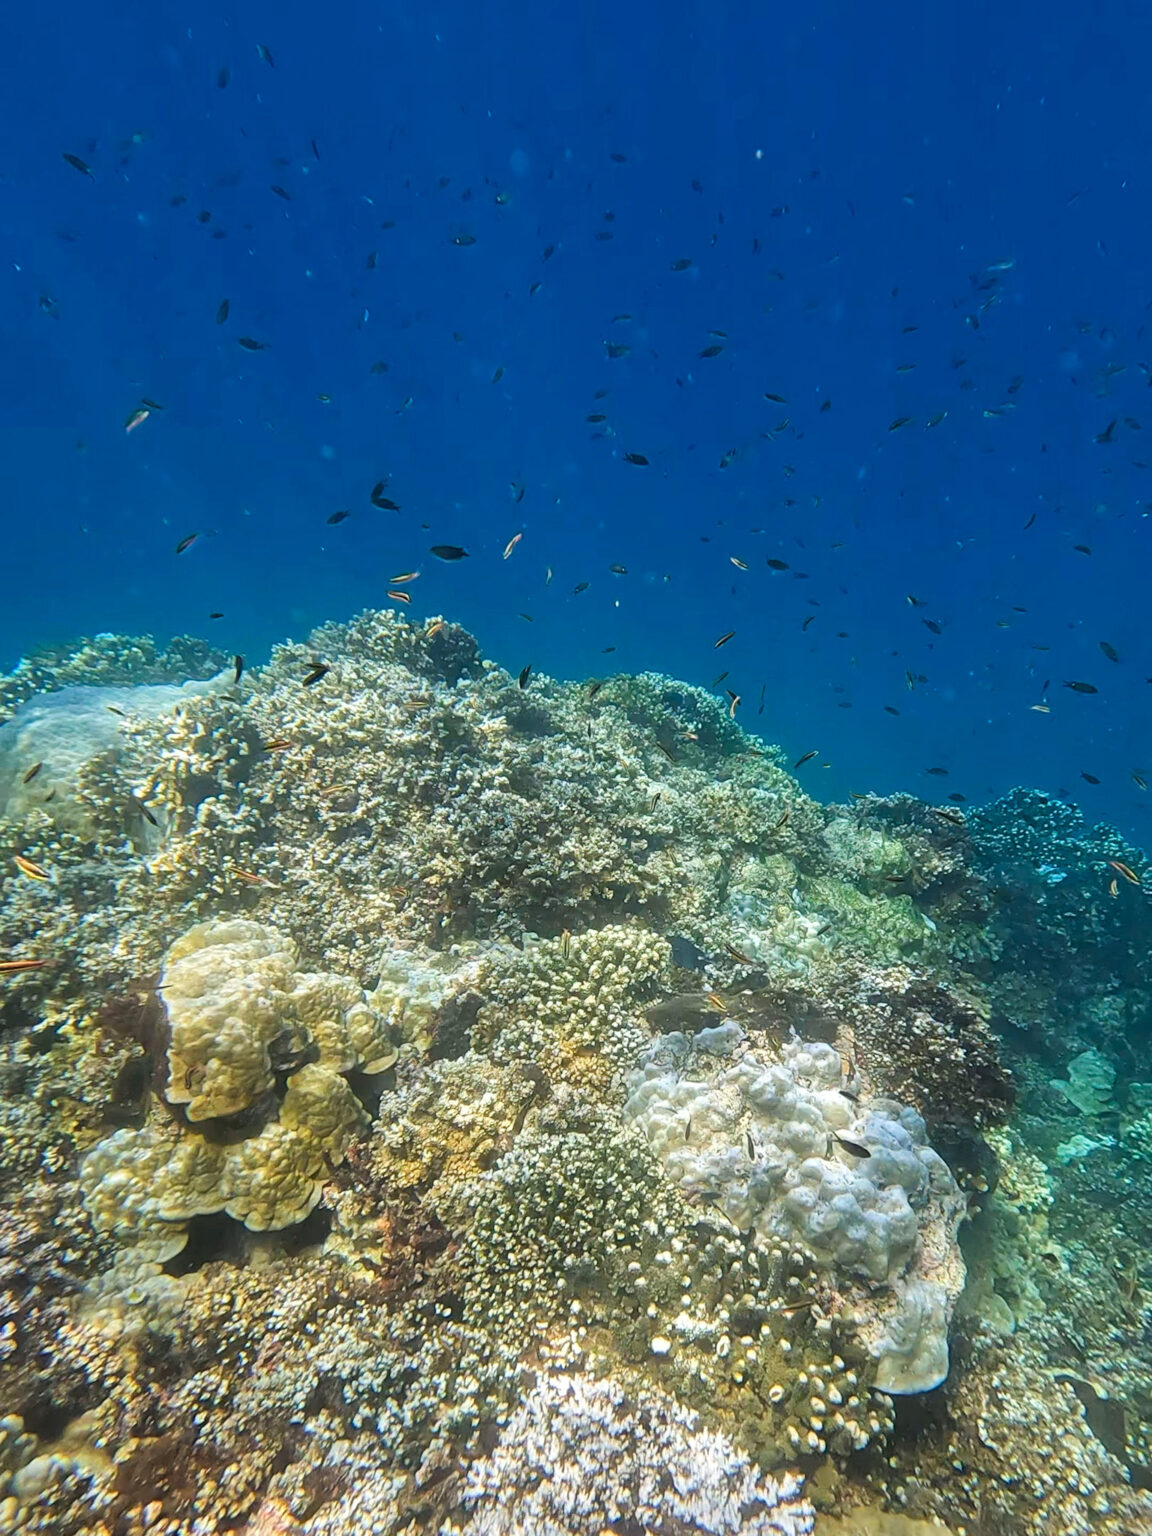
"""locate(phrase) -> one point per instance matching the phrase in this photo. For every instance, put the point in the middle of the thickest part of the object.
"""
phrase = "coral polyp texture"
(436, 1101)
(788, 1155)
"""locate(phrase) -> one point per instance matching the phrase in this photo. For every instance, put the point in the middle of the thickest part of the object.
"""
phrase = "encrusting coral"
(640, 1094)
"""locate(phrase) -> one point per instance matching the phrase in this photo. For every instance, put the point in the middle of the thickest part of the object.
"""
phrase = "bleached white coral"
(580, 1455)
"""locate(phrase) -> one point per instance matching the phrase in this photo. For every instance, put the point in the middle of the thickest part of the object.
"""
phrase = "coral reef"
(108, 660)
(790, 1156)
(579, 1455)
(429, 1102)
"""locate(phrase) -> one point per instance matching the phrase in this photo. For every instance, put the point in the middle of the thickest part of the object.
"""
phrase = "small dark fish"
(1082, 687)
(596, 416)
(891, 709)
(901, 421)
(498, 375)
(138, 805)
(32, 772)
(713, 351)
(1090, 778)
(186, 543)
(635, 458)
(280, 192)
(1030, 521)
(250, 344)
(681, 264)
(79, 165)
(1106, 435)
(222, 311)
(522, 680)
(318, 670)
(618, 570)
(934, 421)
(616, 349)
(449, 552)
(854, 1147)
(464, 238)
(739, 956)
(940, 773)
(581, 586)
(379, 366)
(807, 621)
(667, 751)
(594, 689)
(1082, 549)
(945, 815)
(1109, 651)
(937, 629)
(776, 399)
(215, 615)
(385, 503)
(238, 668)
(337, 517)
(777, 565)
(723, 640)
(1139, 782)
(958, 799)
(807, 758)
(222, 79)
(262, 50)
(848, 1094)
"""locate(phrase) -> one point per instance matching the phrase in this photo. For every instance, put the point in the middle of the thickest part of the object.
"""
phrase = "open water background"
(841, 178)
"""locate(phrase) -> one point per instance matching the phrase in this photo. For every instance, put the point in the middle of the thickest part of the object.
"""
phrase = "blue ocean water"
(441, 223)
